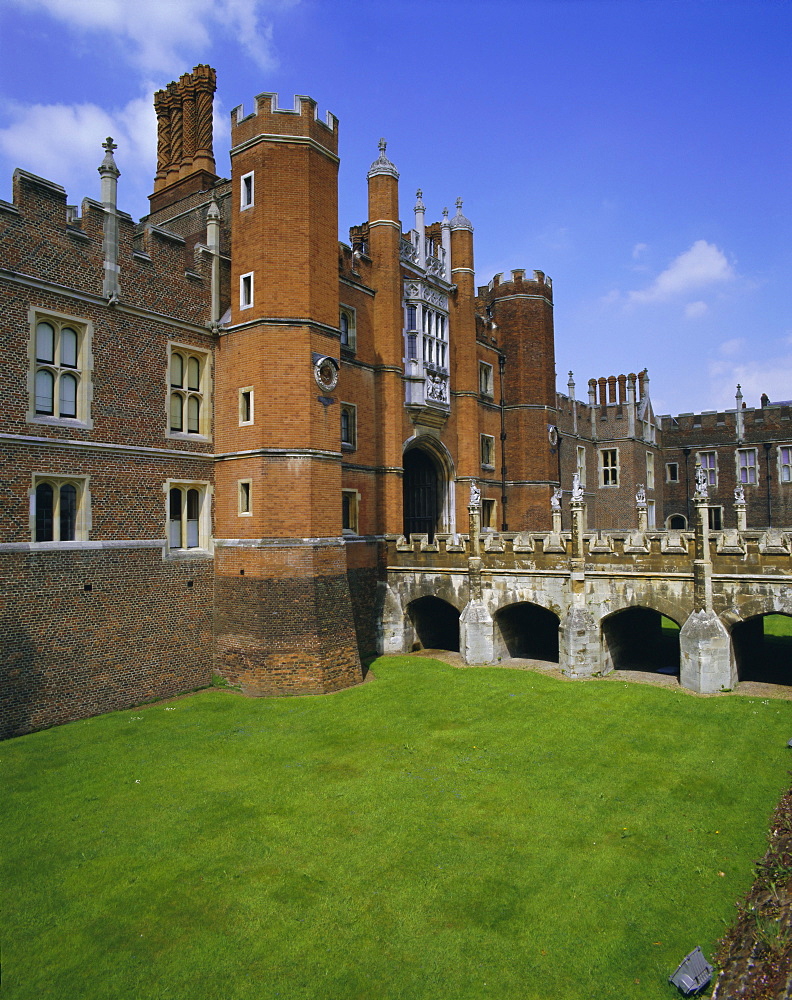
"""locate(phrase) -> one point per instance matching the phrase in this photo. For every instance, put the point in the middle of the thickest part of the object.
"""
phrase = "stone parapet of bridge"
(706, 582)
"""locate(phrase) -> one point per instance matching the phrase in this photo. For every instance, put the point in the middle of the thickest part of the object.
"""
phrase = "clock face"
(326, 374)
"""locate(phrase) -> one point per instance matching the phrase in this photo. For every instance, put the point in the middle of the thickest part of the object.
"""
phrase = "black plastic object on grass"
(693, 974)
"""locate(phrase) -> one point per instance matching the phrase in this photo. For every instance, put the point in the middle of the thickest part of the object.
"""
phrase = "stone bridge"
(592, 601)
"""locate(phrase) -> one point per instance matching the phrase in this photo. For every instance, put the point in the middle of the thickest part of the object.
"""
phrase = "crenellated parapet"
(269, 121)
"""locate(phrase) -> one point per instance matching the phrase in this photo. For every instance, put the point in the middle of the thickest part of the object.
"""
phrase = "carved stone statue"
(577, 489)
(475, 495)
(640, 495)
(701, 483)
(555, 499)
(739, 493)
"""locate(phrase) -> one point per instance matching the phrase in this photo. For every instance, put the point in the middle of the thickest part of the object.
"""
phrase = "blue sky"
(637, 151)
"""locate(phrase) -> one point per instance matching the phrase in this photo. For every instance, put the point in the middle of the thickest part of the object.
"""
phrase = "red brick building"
(214, 416)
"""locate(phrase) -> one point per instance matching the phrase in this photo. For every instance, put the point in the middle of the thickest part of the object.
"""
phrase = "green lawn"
(437, 833)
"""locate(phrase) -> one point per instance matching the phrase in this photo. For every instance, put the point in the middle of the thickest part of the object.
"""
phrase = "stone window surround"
(247, 191)
(83, 525)
(785, 463)
(486, 379)
(350, 411)
(711, 468)
(487, 450)
(245, 497)
(351, 317)
(84, 330)
(610, 471)
(580, 463)
(668, 467)
(247, 408)
(350, 510)
(246, 290)
(650, 470)
(749, 453)
(204, 358)
(205, 541)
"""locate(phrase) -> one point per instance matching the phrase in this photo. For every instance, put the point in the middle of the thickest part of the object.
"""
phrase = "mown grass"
(435, 833)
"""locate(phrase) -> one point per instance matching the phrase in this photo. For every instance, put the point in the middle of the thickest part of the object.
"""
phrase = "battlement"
(268, 119)
(499, 287)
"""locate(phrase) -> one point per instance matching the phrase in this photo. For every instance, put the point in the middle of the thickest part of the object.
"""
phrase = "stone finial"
(108, 165)
(475, 496)
(640, 495)
(459, 221)
(213, 212)
(419, 205)
(577, 488)
(701, 483)
(555, 498)
(382, 165)
(445, 218)
(739, 493)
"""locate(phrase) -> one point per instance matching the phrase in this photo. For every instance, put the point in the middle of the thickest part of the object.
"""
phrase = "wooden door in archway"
(421, 494)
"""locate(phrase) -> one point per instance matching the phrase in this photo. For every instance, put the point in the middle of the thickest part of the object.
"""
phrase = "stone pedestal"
(476, 633)
(643, 517)
(706, 658)
(395, 633)
(556, 522)
(579, 646)
(742, 517)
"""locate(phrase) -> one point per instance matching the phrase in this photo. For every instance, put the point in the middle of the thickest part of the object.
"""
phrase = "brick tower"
(283, 618)
(522, 309)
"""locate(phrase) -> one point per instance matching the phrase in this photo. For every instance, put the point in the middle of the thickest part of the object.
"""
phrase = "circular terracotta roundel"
(326, 373)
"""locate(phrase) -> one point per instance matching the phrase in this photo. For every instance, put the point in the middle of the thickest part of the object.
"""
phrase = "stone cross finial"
(109, 145)
(475, 495)
(382, 146)
(459, 206)
(445, 213)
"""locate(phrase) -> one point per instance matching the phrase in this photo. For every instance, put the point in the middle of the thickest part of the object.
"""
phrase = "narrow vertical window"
(193, 510)
(650, 471)
(244, 496)
(45, 343)
(44, 512)
(68, 513)
(246, 197)
(175, 519)
(68, 348)
(747, 466)
(246, 406)
(581, 464)
(67, 396)
(785, 463)
(177, 370)
(45, 392)
(193, 415)
(246, 291)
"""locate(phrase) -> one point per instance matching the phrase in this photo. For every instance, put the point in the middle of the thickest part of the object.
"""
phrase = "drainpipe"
(767, 447)
(686, 453)
(504, 498)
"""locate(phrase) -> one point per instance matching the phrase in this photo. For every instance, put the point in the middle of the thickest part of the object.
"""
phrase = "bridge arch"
(435, 621)
(528, 630)
(640, 638)
(427, 487)
(762, 647)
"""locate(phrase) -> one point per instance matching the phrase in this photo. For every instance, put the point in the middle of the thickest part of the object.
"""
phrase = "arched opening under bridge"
(527, 631)
(763, 649)
(642, 639)
(436, 623)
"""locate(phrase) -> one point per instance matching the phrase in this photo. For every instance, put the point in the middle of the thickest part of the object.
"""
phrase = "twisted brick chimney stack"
(185, 158)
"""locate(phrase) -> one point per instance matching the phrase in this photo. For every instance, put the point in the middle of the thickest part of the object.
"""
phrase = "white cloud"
(695, 309)
(770, 375)
(74, 136)
(731, 347)
(702, 265)
(160, 36)
(639, 250)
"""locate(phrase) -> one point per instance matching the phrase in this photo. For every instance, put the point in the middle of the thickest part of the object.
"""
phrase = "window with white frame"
(609, 466)
(188, 410)
(60, 350)
(580, 464)
(247, 191)
(411, 326)
(347, 327)
(746, 466)
(59, 508)
(715, 515)
(246, 406)
(246, 290)
(350, 500)
(672, 472)
(488, 515)
(708, 460)
(650, 470)
(435, 342)
(244, 499)
(189, 523)
(650, 514)
(785, 463)
(486, 380)
(487, 451)
(348, 426)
